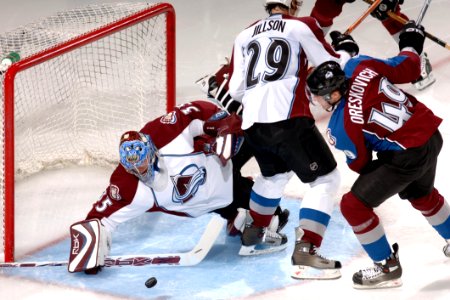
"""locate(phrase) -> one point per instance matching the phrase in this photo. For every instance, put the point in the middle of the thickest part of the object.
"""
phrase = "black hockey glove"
(344, 42)
(381, 12)
(412, 36)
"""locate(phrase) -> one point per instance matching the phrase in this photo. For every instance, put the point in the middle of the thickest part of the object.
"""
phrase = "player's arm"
(350, 140)
(405, 67)
(317, 50)
(324, 11)
(237, 74)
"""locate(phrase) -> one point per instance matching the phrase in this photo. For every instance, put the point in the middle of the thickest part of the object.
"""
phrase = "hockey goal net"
(85, 76)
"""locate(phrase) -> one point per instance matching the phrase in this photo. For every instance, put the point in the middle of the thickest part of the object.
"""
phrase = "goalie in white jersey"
(269, 68)
(178, 164)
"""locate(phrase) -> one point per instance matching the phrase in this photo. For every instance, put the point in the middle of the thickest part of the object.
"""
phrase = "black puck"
(151, 282)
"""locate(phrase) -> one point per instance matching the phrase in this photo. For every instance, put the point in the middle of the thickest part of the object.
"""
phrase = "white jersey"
(270, 64)
(189, 182)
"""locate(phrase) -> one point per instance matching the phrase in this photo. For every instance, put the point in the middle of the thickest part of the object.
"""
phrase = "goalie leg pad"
(90, 244)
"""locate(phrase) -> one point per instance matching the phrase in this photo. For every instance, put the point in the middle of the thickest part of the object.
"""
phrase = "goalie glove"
(225, 147)
(90, 245)
(222, 123)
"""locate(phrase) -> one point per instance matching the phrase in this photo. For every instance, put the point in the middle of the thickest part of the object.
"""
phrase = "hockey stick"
(402, 20)
(423, 11)
(185, 259)
(363, 16)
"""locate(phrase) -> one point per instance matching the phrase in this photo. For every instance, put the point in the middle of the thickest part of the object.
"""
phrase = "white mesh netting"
(72, 109)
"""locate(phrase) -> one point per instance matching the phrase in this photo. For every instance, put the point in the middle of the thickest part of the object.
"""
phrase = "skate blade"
(423, 84)
(306, 272)
(260, 249)
(382, 285)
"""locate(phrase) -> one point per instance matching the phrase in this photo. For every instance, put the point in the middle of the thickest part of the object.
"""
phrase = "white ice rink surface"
(205, 33)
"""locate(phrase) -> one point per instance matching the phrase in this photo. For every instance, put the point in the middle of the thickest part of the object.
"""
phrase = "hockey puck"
(151, 282)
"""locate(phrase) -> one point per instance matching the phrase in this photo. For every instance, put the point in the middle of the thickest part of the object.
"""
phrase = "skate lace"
(272, 235)
(313, 251)
(372, 272)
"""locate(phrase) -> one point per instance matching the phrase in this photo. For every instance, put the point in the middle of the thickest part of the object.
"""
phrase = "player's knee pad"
(90, 245)
(322, 195)
(271, 187)
(329, 183)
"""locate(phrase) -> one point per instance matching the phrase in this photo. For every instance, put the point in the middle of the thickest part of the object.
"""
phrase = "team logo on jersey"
(170, 118)
(186, 184)
(331, 138)
(350, 154)
(114, 192)
(314, 166)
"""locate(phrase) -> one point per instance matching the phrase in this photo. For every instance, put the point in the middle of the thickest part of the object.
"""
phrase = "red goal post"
(99, 71)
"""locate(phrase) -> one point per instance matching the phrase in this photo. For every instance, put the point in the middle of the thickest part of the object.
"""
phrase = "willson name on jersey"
(356, 93)
(278, 25)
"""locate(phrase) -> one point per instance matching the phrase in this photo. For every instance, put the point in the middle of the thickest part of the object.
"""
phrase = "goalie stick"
(184, 259)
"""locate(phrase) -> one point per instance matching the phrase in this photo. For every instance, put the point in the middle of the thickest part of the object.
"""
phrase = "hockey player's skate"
(385, 274)
(308, 264)
(279, 220)
(260, 240)
(426, 75)
(447, 249)
(237, 225)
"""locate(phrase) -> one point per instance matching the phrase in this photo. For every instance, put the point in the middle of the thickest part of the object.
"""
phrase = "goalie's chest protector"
(196, 184)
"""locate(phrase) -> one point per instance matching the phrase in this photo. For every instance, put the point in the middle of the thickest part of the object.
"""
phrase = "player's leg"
(324, 11)
(386, 270)
(424, 197)
(393, 173)
(91, 243)
(267, 190)
(237, 213)
(426, 75)
(312, 161)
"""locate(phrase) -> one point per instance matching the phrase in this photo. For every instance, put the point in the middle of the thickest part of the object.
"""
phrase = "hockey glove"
(381, 12)
(344, 42)
(412, 36)
(225, 147)
(222, 123)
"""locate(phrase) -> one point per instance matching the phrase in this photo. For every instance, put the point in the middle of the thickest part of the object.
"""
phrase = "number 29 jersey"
(270, 65)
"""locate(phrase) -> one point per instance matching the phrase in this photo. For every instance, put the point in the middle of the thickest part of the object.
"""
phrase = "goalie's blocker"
(227, 130)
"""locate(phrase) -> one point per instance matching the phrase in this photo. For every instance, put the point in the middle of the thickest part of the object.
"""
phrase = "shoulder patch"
(114, 192)
(170, 118)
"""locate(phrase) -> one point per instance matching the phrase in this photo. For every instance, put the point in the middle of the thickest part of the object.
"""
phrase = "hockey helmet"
(286, 3)
(326, 78)
(138, 155)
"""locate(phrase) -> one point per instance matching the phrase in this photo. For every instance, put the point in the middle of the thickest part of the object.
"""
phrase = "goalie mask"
(139, 156)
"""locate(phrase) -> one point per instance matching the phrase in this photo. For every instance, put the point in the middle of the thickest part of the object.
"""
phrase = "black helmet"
(326, 78)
